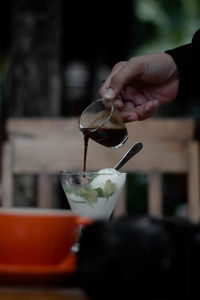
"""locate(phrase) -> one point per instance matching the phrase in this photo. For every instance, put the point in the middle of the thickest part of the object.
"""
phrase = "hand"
(141, 85)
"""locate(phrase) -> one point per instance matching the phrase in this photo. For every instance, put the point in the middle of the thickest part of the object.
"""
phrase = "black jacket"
(187, 58)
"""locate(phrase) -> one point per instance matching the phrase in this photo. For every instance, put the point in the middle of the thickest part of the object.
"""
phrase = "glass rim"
(89, 173)
(89, 106)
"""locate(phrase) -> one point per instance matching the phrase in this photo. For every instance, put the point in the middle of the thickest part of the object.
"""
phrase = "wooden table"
(42, 294)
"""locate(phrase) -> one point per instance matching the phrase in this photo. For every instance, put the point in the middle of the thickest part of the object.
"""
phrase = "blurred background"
(55, 54)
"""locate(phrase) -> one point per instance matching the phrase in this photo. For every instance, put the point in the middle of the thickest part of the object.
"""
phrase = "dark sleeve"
(187, 59)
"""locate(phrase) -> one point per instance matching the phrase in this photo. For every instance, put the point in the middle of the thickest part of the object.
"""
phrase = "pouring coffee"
(102, 122)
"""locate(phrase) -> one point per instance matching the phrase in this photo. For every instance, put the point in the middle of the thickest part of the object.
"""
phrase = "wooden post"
(44, 191)
(193, 183)
(155, 194)
(7, 176)
(120, 207)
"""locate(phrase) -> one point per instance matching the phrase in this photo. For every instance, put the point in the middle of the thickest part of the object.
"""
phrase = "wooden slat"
(53, 155)
(164, 128)
(60, 145)
(41, 127)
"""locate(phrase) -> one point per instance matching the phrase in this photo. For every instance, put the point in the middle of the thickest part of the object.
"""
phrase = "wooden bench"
(46, 146)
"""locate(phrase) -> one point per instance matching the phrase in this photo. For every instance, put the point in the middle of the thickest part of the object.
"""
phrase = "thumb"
(114, 89)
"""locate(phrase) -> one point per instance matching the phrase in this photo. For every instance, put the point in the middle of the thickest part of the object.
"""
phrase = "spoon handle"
(129, 154)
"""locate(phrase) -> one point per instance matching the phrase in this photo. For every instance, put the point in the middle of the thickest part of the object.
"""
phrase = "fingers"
(140, 112)
(131, 102)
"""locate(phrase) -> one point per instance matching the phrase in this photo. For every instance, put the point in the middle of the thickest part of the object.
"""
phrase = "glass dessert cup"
(93, 194)
(102, 122)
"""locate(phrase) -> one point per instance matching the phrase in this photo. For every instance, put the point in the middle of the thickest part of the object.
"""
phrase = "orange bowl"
(36, 236)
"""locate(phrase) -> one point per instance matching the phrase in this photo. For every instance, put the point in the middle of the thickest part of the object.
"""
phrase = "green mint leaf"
(109, 188)
(77, 201)
(100, 192)
(87, 193)
(91, 196)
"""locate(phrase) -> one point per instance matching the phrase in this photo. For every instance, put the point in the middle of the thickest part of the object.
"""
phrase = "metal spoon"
(129, 154)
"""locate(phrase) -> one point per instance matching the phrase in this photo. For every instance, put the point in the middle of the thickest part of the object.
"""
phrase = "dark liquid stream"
(109, 137)
(86, 139)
